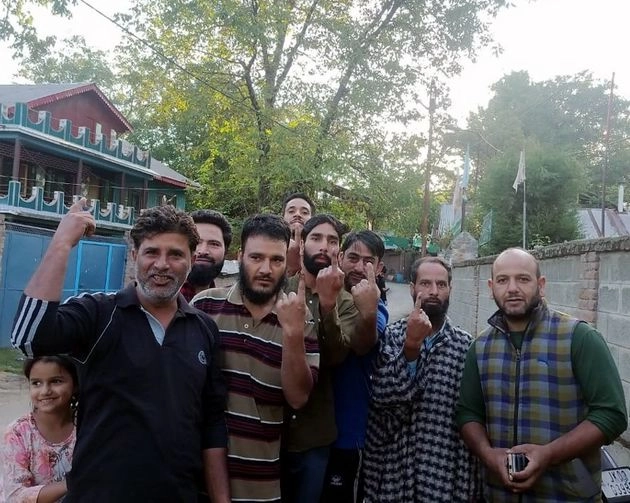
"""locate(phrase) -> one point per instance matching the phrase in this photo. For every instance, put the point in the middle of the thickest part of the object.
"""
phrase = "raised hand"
(329, 283)
(75, 224)
(291, 311)
(294, 259)
(366, 293)
(418, 329)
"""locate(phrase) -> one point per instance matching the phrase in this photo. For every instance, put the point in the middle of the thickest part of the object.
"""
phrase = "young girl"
(37, 448)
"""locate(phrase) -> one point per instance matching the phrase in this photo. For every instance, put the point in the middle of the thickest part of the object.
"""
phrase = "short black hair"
(297, 195)
(324, 218)
(268, 225)
(214, 218)
(430, 260)
(162, 219)
(370, 239)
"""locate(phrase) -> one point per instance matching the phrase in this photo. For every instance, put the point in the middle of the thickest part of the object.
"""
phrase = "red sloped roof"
(37, 95)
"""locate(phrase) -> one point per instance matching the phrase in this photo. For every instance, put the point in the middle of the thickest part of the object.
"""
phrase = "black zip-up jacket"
(146, 411)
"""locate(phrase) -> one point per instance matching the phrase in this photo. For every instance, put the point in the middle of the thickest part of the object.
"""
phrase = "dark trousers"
(344, 477)
(303, 475)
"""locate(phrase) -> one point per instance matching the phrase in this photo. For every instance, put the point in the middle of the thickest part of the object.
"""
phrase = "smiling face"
(516, 286)
(51, 387)
(162, 264)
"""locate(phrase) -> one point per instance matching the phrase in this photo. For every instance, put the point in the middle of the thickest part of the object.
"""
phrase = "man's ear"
(542, 282)
(490, 288)
(240, 255)
(134, 254)
(379, 268)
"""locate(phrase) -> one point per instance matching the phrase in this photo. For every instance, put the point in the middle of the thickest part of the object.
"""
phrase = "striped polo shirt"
(251, 351)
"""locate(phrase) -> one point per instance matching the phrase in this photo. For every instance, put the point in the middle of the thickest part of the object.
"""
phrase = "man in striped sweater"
(270, 356)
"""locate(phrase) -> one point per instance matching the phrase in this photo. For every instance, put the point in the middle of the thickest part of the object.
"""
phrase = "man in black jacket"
(152, 396)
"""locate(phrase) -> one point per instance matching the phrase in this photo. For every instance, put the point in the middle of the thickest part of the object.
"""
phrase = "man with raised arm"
(297, 208)
(311, 430)
(151, 421)
(269, 352)
(413, 451)
(360, 260)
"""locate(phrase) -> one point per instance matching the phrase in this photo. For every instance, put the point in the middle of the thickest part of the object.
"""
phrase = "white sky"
(545, 37)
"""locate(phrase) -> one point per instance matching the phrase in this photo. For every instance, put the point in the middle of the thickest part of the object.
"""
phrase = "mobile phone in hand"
(517, 461)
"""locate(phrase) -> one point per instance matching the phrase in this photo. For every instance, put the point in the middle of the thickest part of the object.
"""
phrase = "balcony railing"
(114, 216)
(20, 115)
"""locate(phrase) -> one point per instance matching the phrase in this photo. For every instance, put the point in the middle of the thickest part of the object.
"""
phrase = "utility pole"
(426, 206)
(606, 148)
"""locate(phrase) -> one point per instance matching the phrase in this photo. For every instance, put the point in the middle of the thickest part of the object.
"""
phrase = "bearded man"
(270, 356)
(541, 384)
(215, 236)
(413, 450)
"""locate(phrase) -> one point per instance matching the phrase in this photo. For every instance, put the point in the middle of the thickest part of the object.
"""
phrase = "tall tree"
(301, 81)
(560, 125)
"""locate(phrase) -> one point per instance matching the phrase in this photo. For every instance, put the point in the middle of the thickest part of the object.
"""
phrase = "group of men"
(290, 386)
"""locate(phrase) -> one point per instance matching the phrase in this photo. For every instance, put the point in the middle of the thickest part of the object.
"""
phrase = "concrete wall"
(589, 279)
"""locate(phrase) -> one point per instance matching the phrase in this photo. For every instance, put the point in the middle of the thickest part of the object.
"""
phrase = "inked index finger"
(418, 303)
(301, 290)
(334, 259)
(371, 277)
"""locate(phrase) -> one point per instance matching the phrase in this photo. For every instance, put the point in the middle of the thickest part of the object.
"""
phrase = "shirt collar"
(128, 297)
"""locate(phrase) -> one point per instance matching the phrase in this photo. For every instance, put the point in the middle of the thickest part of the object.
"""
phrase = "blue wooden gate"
(95, 265)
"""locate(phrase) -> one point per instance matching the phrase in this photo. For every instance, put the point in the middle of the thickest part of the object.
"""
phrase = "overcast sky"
(545, 37)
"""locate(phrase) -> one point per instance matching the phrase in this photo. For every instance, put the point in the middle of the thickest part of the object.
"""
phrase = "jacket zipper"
(516, 396)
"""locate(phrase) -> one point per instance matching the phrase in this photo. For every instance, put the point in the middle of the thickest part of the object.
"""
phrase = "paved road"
(14, 399)
(399, 302)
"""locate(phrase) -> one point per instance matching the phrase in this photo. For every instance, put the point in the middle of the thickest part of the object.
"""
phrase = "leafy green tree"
(553, 180)
(303, 83)
(72, 61)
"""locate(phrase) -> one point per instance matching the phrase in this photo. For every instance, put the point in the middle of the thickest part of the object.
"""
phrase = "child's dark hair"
(65, 363)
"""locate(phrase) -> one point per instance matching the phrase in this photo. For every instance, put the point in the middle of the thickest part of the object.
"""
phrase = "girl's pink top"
(28, 461)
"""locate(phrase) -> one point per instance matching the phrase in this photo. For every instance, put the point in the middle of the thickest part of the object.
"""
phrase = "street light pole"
(426, 206)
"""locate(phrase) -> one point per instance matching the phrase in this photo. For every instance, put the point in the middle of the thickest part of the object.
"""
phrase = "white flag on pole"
(520, 176)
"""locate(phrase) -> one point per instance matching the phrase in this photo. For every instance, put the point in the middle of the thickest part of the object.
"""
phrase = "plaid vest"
(531, 396)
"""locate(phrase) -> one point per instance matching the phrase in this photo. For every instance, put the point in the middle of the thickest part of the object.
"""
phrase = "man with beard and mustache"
(270, 355)
(541, 383)
(310, 431)
(413, 451)
(297, 208)
(215, 236)
(361, 259)
(152, 394)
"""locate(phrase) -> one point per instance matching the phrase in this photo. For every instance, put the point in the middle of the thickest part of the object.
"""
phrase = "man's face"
(353, 262)
(515, 288)
(296, 213)
(434, 290)
(209, 255)
(321, 244)
(162, 263)
(262, 268)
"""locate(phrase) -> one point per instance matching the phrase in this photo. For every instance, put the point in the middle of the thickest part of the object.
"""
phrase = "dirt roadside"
(14, 399)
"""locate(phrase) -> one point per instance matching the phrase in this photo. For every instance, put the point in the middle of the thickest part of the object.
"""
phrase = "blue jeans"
(303, 475)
